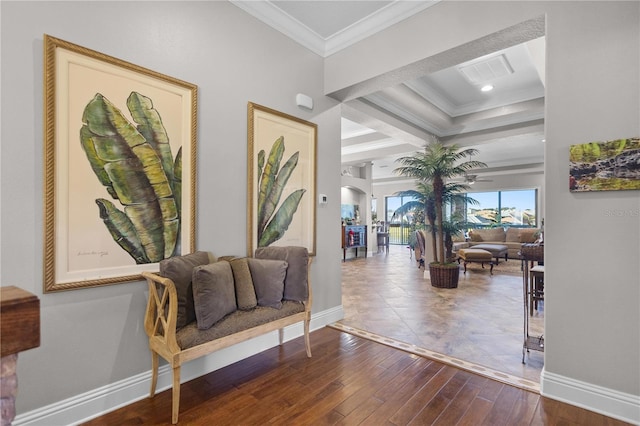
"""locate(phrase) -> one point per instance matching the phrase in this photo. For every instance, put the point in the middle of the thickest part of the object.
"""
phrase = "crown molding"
(383, 18)
(276, 18)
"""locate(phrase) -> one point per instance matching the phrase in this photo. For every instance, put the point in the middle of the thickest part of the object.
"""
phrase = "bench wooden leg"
(154, 373)
(307, 343)
(280, 336)
(175, 397)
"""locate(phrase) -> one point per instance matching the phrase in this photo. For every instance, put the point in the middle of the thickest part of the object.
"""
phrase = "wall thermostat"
(322, 199)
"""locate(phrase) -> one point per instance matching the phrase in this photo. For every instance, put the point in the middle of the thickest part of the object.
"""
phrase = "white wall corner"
(609, 402)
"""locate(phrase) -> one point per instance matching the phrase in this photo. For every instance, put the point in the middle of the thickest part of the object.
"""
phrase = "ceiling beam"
(369, 116)
(530, 128)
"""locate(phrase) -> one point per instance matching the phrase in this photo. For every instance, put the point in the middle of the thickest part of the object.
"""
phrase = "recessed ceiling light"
(487, 88)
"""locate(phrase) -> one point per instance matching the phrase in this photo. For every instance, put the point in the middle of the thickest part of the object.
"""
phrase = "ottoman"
(496, 250)
(468, 255)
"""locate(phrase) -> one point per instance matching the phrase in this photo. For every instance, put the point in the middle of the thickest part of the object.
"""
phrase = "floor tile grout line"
(481, 370)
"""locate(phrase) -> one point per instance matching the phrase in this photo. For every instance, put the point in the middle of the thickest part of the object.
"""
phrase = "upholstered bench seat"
(482, 256)
(190, 336)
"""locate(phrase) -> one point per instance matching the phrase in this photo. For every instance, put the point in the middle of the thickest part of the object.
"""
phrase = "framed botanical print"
(119, 167)
(282, 180)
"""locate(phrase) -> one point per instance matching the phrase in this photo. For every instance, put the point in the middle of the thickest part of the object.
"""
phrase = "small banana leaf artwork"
(281, 169)
(274, 217)
(134, 162)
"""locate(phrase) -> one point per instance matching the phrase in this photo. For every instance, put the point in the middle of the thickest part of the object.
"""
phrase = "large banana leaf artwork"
(272, 223)
(135, 164)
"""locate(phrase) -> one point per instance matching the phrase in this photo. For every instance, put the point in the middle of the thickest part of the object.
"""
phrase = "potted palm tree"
(422, 205)
(434, 166)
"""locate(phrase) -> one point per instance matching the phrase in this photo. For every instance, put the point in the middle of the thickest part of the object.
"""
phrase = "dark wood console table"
(20, 330)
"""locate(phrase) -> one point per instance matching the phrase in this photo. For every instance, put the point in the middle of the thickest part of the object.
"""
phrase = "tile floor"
(481, 321)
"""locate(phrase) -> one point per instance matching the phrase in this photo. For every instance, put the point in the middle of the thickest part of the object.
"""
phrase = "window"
(518, 208)
(484, 212)
(509, 208)
(401, 223)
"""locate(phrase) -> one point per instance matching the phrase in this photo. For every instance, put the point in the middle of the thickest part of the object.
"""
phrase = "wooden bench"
(266, 298)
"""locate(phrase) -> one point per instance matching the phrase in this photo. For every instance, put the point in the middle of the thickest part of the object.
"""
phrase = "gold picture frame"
(281, 168)
(119, 167)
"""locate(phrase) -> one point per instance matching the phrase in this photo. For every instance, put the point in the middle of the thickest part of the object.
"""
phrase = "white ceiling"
(506, 125)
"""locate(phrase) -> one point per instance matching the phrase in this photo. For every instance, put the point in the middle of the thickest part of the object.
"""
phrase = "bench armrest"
(161, 315)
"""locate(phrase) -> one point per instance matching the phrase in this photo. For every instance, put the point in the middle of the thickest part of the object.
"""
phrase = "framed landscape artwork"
(281, 180)
(605, 166)
(119, 167)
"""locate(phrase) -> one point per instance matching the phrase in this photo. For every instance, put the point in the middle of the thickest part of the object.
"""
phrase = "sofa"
(199, 304)
(513, 238)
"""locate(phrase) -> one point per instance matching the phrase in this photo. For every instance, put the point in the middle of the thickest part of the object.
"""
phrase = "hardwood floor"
(348, 381)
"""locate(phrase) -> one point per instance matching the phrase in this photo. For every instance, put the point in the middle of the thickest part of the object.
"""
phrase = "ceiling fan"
(471, 179)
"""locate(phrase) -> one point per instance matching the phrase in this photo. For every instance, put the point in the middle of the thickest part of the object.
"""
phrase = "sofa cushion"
(245, 291)
(529, 235)
(512, 235)
(295, 284)
(268, 279)
(488, 235)
(475, 236)
(213, 293)
(179, 269)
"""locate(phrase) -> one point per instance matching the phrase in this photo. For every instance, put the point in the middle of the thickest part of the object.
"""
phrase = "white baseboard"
(611, 403)
(97, 402)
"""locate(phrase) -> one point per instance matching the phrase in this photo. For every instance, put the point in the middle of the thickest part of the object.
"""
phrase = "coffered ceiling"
(505, 124)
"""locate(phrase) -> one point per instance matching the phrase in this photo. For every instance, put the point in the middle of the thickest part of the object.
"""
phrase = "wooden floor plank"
(417, 402)
(361, 412)
(524, 409)
(502, 406)
(364, 383)
(441, 400)
(476, 412)
(396, 395)
(459, 405)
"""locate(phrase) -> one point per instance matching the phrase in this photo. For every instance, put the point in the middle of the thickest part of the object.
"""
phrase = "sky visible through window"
(524, 199)
(517, 207)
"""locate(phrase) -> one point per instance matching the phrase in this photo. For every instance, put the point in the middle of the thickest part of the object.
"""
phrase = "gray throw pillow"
(295, 283)
(213, 293)
(179, 269)
(268, 279)
(245, 292)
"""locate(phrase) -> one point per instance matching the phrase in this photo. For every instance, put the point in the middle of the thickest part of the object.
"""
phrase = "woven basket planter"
(444, 276)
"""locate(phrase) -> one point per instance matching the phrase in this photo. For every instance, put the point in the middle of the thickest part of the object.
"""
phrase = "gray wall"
(93, 337)
(592, 87)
